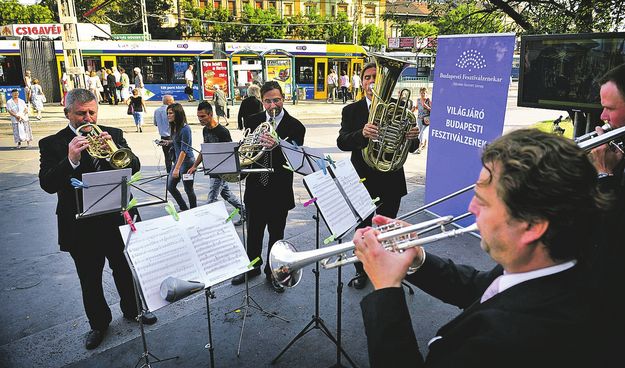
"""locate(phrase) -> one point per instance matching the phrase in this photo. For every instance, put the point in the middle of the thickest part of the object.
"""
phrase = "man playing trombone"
(534, 201)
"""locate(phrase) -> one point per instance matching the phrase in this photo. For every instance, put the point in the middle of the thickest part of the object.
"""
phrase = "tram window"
(304, 70)
(179, 66)
(155, 69)
(10, 71)
(92, 63)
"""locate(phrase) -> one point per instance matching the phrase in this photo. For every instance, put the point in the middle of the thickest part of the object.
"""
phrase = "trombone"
(286, 262)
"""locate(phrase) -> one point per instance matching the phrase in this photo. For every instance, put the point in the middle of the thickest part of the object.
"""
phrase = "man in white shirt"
(356, 85)
(188, 78)
(162, 123)
(535, 201)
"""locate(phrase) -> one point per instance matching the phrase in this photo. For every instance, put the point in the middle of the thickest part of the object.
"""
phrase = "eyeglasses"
(274, 100)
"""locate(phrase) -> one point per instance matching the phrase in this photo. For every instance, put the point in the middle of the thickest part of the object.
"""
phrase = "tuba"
(251, 149)
(119, 158)
(392, 117)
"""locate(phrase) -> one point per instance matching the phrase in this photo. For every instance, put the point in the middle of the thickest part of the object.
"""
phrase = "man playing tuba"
(354, 136)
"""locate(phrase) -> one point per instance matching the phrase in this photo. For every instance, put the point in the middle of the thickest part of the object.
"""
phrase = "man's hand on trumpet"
(605, 158)
(385, 268)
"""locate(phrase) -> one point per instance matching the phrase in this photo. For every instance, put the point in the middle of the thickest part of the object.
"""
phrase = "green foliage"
(12, 12)
(222, 30)
(372, 35)
(341, 30)
(420, 29)
(470, 18)
(306, 29)
(261, 32)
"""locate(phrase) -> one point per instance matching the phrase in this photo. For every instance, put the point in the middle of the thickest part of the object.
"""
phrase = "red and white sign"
(214, 72)
(50, 30)
(86, 31)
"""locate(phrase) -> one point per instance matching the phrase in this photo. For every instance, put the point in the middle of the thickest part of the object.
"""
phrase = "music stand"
(101, 185)
(225, 163)
(316, 321)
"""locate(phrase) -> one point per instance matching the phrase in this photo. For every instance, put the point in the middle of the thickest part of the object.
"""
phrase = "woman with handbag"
(136, 108)
(37, 97)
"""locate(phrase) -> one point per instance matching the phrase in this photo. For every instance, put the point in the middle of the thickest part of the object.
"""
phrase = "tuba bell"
(119, 158)
(392, 117)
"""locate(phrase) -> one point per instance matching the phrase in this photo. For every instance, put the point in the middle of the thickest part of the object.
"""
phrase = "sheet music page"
(159, 249)
(355, 191)
(219, 158)
(219, 249)
(331, 203)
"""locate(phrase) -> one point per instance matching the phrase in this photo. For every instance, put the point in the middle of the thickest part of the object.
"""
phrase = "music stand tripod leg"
(209, 295)
(247, 298)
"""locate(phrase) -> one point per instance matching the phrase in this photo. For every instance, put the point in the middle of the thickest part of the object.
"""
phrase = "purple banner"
(469, 98)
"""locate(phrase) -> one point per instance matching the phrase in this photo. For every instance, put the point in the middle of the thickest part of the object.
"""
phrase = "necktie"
(492, 290)
(264, 176)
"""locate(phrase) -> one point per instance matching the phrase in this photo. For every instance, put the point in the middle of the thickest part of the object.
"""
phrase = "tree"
(340, 30)
(211, 24)
(12, 12)
(307, 27)
(372, 35)
(469, 18)
(262, 24)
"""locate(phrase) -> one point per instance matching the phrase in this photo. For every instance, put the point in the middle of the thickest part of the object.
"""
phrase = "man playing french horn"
(269, 196)
(90, 241)
(354, 136)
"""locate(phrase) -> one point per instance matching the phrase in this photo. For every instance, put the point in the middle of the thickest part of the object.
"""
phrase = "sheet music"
(97, 199)
(216, 242)
(355, 191)
(219, 158)
(333, 206)
(201, 246)
(158, 249)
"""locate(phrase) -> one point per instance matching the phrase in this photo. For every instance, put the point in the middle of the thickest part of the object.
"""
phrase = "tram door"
(356, 67)
(320, 78)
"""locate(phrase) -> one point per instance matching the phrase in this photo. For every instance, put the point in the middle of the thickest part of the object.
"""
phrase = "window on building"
(272, 5)
(232, 7)
(288, 9)
(259, 4)
(370, 11)
(216, 4)
(342, 8)
(203, 3)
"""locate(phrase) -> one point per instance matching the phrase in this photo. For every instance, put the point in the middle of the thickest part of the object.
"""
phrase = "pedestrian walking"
(136, 108)
(125, 85)
(19, 119)
(188, 79)
(37, 97)
(220, 103)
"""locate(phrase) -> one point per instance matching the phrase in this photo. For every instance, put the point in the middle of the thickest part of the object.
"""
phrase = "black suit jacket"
(250, 106)
(544, 322)
(55, 172)
(385, 185)
(278, 194)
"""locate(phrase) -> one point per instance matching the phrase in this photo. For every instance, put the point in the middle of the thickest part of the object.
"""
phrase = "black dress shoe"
(94, 338)
(239, 279)
(148, 318)
(275, 285)
(360, 280)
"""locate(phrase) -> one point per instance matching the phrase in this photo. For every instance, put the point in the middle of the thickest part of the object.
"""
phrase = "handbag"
(426, 120)
(130, 110)
(188, 90)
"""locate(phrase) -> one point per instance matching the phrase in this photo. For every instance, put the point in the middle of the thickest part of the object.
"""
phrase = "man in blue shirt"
(160, 120)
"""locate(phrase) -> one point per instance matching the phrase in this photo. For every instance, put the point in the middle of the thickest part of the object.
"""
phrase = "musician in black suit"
(269, 196)
(535, 201)
(354, 135)
(90, 240)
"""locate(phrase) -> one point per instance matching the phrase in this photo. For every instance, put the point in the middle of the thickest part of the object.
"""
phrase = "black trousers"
(388, 208)
(259, 217)
(89, 265)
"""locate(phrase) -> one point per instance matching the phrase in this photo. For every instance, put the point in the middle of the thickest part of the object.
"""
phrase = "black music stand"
(316, 321)
(209, 295)
(248, 301)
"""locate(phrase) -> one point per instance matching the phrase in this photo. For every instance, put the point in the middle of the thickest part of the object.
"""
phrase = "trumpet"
(606, 127)
(119, 158)
(286, 262)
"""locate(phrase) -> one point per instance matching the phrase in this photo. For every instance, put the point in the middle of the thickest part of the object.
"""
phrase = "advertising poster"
(279, 69)
(468, 109)
(214, 72)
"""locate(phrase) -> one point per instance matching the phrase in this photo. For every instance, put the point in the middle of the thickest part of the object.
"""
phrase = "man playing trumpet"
(90, 241)
(534, 201)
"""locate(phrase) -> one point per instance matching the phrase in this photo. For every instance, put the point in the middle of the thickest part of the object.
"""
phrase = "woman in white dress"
(94, 85)
(19, 119)
(37, 97)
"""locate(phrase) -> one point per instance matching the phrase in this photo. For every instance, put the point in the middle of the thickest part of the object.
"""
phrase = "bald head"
(168, 100)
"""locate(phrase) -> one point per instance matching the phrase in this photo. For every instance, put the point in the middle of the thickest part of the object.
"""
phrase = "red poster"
(214, 72)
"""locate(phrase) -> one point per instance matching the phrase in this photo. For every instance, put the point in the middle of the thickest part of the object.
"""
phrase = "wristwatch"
(602, 175)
